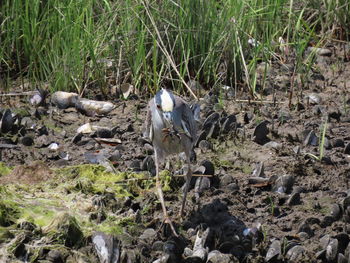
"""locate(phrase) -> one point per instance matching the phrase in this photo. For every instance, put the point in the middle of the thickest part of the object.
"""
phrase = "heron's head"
(165, 103)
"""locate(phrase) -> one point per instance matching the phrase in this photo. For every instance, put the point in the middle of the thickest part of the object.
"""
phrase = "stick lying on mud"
(25, 93)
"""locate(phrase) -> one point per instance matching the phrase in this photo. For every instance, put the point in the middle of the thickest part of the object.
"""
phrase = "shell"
(92, 107)
(6, 121)
(64, 100)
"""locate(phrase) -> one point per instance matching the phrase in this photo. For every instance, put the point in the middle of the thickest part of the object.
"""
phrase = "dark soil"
(271, 196)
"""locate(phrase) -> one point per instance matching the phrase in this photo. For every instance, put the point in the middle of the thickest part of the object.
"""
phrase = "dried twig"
(25, 93)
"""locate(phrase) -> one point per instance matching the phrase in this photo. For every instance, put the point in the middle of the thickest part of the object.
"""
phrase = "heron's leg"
(187, 183)
(161, 196)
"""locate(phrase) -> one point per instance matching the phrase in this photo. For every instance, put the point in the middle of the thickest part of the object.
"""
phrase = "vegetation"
(79, 45)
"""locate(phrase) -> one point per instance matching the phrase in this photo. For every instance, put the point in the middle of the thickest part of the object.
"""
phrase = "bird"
(171, 126)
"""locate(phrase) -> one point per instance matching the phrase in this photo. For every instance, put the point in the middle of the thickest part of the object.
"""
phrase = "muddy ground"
(275, 186)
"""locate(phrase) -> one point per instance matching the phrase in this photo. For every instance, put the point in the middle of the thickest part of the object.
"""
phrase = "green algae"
(4, 169)
(62, 205)
(38, 214)
(65, 229)
(9, 212)
(94, 179)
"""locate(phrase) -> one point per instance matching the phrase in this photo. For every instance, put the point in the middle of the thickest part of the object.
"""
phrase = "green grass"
(68, 44)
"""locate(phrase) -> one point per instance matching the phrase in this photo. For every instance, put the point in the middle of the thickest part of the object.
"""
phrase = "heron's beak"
(168, 117)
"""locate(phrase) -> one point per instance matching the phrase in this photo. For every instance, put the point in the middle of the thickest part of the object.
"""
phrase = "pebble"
(332, 250)
(260, 133)
(274, 251)
(294, 199)
(295, 253)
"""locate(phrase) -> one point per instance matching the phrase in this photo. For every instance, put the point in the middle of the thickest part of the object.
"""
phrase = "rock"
(56, 256)
(258, 180)
(338, 143)
(27, 141)
(313, 99)
(65, 228)
(232, 187)
(38, 98)
(126, 89)
(214, 131)
(93, 107)
(209, 167)
(260, 133)
(332, 250)
(135, 165)
(303, 236)
(148, 236)
(259, 170)
(115, 156)
(334, 114)
(162, 259)
(321, 254)
(202, 136)
(304, 227)
(343, 241)
(248, 116)
(345, 204)
(174, 247)
(336, 212)
(196, 87)
(342, 258)
(320, 51)
(205, 146)
(199, 252)
(202, 184)
(295, 254)
(324, 241)
(226, 180)
(95, 157)
(294, 199)
(347, 149)
(228, 124)
(148, 164)
(157, 246)
(130, 255)
(7, 121)
(210, 120)
(311, 139)
(98, 216)
(273, 145)
(326, 221)
(312, 220)
(103, 133)
(284, 184)
(274, 251)
(216, 256)
(318, 110)
(64, 100)
(25, 225)
(284, 117)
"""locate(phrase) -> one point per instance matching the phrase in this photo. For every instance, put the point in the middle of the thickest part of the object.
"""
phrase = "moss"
(38, 214)
(72, 189)
(247, 169)
(5, 234)
(8, 212)
(65, 229)
(4, 170)
(94, 179)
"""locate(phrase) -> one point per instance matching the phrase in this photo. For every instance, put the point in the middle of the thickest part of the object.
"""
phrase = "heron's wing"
(188, 122)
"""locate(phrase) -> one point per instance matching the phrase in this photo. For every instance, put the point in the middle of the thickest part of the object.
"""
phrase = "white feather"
(167, 102)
